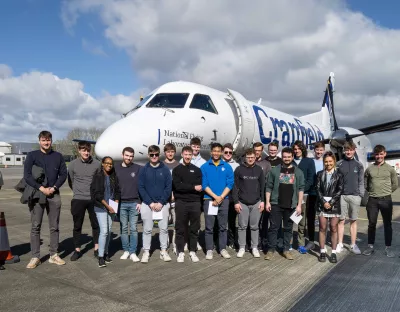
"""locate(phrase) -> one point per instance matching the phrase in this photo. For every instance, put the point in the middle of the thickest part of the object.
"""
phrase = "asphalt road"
(355, 283)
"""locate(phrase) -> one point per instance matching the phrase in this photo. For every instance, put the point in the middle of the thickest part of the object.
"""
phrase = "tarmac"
(355, 283)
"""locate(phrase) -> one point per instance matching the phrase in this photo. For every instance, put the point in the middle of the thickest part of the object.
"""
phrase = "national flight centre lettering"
(179, 138)
(289, 131)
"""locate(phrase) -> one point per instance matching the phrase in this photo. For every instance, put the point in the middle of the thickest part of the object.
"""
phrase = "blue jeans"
(128, 216)
(105, 224)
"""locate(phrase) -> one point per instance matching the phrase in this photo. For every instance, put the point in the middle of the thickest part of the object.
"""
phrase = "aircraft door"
(245, 135)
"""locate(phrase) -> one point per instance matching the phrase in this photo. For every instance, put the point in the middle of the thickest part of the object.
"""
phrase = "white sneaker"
(241, 252)
(209, 255)
(145, 257)
(199, 246)
(225, 254)
(193, 257)
(125, 255)
(134, 258)
(256, 253)
(181, 257)
(165, 256)
(339, 247)
(185, 248)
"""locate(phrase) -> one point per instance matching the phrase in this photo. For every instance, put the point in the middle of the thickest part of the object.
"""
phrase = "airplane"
(177, 111)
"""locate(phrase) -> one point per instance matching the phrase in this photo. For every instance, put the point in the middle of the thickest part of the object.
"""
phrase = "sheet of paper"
(212, 210)
(327, 198)
(113, 204)
(296, 219)
(157, 215)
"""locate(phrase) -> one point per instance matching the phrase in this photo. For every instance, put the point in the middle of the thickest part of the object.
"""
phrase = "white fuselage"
(228, 119)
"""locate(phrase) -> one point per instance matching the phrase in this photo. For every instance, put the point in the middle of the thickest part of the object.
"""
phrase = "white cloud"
(281, 51)
(37, 101)
(5, 71)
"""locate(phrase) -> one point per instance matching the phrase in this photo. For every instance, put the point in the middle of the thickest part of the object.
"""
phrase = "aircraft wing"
(83, 140)
(388, 126)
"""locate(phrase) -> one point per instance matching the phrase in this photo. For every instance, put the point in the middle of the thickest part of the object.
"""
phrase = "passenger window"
(169, 100)
(203, 102)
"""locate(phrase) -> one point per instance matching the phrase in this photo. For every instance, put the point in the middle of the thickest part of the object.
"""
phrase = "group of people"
(263, 196)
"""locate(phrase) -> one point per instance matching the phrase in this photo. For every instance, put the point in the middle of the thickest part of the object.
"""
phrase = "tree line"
(67, 147)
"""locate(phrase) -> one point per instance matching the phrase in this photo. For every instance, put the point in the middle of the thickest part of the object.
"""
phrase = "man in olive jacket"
(284, 195)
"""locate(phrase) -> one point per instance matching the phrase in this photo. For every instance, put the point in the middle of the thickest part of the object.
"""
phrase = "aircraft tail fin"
(328, 108)
(326, 115)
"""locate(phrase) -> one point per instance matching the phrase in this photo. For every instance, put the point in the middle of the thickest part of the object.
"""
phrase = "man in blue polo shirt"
(55, 172)
(217, 182)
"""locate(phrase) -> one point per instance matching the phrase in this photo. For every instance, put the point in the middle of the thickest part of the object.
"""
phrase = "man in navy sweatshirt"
(155, 187)
(217, 182)
(55, 170)
(128, 177)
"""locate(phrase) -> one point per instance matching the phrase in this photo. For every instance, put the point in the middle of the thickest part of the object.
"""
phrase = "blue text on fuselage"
(289, 132)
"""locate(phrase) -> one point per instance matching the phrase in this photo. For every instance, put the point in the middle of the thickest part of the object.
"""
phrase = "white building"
(5, 148)
(12, 160)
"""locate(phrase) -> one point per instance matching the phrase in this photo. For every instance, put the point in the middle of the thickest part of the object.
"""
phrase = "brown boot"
(269, 255)
(288, 255)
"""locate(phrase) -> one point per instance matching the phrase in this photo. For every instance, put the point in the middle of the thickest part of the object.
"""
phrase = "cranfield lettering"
(287, 132)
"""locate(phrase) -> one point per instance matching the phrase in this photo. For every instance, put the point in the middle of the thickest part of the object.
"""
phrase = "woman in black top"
(329, 188)
(104, 187)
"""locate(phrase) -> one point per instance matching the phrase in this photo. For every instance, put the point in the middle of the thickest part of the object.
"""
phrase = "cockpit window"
(169, 100)
(203, 102)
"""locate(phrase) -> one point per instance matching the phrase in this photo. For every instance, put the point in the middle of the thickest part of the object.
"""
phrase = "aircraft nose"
(132, 131)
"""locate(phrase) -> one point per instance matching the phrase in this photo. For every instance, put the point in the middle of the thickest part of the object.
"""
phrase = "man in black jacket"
(186, 185)
(248, 197)
(56, 173)
(308, 167)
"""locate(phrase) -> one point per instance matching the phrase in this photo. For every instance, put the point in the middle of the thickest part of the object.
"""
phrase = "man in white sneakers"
(186, 181)
(353, 192)
(128, 177)
(155, 187)
(248, 197)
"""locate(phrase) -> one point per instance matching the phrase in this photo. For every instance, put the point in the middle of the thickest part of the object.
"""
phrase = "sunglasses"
(154, 155)
(228, 152)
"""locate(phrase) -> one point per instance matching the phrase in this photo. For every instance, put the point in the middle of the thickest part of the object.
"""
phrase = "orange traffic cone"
(5, 251)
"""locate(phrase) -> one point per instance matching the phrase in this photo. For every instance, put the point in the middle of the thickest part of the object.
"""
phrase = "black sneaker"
(333, 258)
(102, 263)
(96, 254)
(76, 255)
(322, 257)
(107, 259)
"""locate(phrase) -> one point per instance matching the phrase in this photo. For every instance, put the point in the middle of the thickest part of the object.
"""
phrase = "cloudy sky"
(72, 63)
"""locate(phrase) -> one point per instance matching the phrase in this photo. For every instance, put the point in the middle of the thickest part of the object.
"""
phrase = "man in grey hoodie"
(80, 174)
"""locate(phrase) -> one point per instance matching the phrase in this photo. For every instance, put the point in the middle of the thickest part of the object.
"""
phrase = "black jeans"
(311, 209)
(78, 209)
(187, 213)
(232, 229)
(263, 234)
(386, 207)
(277, 214)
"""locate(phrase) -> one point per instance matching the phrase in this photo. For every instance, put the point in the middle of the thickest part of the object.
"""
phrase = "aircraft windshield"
(169, 100)
(143, 101)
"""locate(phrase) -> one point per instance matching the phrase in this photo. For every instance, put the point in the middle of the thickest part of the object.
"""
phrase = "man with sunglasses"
(155, 187)
(227, 156)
